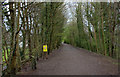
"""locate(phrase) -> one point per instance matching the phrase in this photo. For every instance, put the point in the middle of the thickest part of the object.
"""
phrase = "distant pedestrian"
(45, 52)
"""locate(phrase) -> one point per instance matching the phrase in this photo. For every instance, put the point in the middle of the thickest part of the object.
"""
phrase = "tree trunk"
(0, 39)
(28, 32)
(51, 32)
(12, 11)
(24, 34)
(12, 63)
(110, 24)
(103, 36)
(17, 40)
(113, 28)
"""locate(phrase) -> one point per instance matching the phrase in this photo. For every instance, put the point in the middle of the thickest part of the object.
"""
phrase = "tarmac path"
(69, 60)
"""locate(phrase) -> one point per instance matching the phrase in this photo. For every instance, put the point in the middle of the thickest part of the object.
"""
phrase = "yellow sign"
(44, 48)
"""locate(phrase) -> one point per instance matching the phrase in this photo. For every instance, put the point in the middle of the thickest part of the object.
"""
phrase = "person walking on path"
(45, 52)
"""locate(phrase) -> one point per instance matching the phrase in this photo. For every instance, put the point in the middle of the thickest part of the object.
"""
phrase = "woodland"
(27, 26)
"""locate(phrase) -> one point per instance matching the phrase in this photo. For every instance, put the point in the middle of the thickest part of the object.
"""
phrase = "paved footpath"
(69, 60)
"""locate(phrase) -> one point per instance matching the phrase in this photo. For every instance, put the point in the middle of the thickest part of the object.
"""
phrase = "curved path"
(69, 60)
